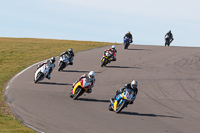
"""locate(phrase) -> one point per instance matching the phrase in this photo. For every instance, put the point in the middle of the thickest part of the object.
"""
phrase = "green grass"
(17, 54)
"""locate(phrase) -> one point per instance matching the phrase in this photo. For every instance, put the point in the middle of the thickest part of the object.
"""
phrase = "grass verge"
(17, 54)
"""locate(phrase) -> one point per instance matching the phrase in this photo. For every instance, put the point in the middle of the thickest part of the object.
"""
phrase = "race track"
(168, 100)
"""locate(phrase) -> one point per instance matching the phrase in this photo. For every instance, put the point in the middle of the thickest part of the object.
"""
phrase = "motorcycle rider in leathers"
(90, 77)
(129, 35)
(170, 37)
(113, 53)
(132, 87)
(51, 64)
(69, 54)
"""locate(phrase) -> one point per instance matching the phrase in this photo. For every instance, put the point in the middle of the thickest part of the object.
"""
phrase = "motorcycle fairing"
(83, 84)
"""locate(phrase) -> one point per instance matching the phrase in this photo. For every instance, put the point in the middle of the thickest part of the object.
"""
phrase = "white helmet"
(134, 84)
(91, 74)
(113, 47)
(52, 60)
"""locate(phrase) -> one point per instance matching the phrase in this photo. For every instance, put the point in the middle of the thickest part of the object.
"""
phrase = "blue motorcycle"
(121, 101)
(126, 42)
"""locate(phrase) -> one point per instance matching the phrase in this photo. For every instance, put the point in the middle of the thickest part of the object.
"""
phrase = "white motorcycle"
(41, 73)
(63, 62)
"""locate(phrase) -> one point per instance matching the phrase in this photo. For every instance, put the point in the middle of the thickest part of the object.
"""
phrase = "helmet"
(134, 84)
(128, 32)
(52, 60)
(169, 31)
(91, 74)
(113, 47)
(70, 50)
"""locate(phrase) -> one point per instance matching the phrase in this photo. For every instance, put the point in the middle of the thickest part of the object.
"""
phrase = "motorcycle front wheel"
(110, 108)
(39, 77)
(78, 92)
(120, 107)
(61, 67)
(102, 62)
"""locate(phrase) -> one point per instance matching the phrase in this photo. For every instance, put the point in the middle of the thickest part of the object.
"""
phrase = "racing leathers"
(70, 56)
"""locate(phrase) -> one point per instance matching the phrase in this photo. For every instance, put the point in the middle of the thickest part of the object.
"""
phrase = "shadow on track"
(150, 115)
(123, 67)
(53, 83)
(139, 49)
(93, 100)
(77, 71)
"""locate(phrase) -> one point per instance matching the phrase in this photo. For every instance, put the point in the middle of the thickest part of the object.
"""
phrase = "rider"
(129, 35)
(170, 37)
(50, 63)
(90, 78)
(69, 54)
(113, 52)
(132, 87)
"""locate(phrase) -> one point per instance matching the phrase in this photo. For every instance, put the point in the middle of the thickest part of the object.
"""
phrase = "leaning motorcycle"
(126, 42)
(80, 88)
(121, 101)
(105, 59)
(63, 62)
(167, 40)
(41, 72)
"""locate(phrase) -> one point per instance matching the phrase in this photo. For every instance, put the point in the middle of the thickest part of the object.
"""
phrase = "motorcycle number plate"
(128, 96)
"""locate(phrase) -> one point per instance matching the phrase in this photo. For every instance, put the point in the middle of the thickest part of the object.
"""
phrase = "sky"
(103, 20)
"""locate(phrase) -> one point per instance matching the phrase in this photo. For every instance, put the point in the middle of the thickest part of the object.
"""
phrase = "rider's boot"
(48, 76)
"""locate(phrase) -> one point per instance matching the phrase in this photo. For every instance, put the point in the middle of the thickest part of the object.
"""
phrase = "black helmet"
(70, 50)
(52, 60)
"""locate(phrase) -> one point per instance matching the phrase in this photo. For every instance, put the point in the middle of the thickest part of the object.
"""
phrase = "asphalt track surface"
(168, 99)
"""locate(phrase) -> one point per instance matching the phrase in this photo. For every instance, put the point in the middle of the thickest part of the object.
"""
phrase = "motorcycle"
(121, 101)
(41, 72)
(80, 88)
(167, 40)
(126, 42)
(105, 59)
(63, 62)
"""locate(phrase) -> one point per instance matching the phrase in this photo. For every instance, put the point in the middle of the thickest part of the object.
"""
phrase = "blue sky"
(102, 20)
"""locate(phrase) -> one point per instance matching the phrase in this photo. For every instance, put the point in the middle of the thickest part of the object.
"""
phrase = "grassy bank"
(17, 54)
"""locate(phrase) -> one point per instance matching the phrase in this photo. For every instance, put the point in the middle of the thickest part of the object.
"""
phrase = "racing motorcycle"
(121, 101)
(79, 88)
(168, 40)
(41, 72)
(63, 62)
(105, 59)
(126, 42)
